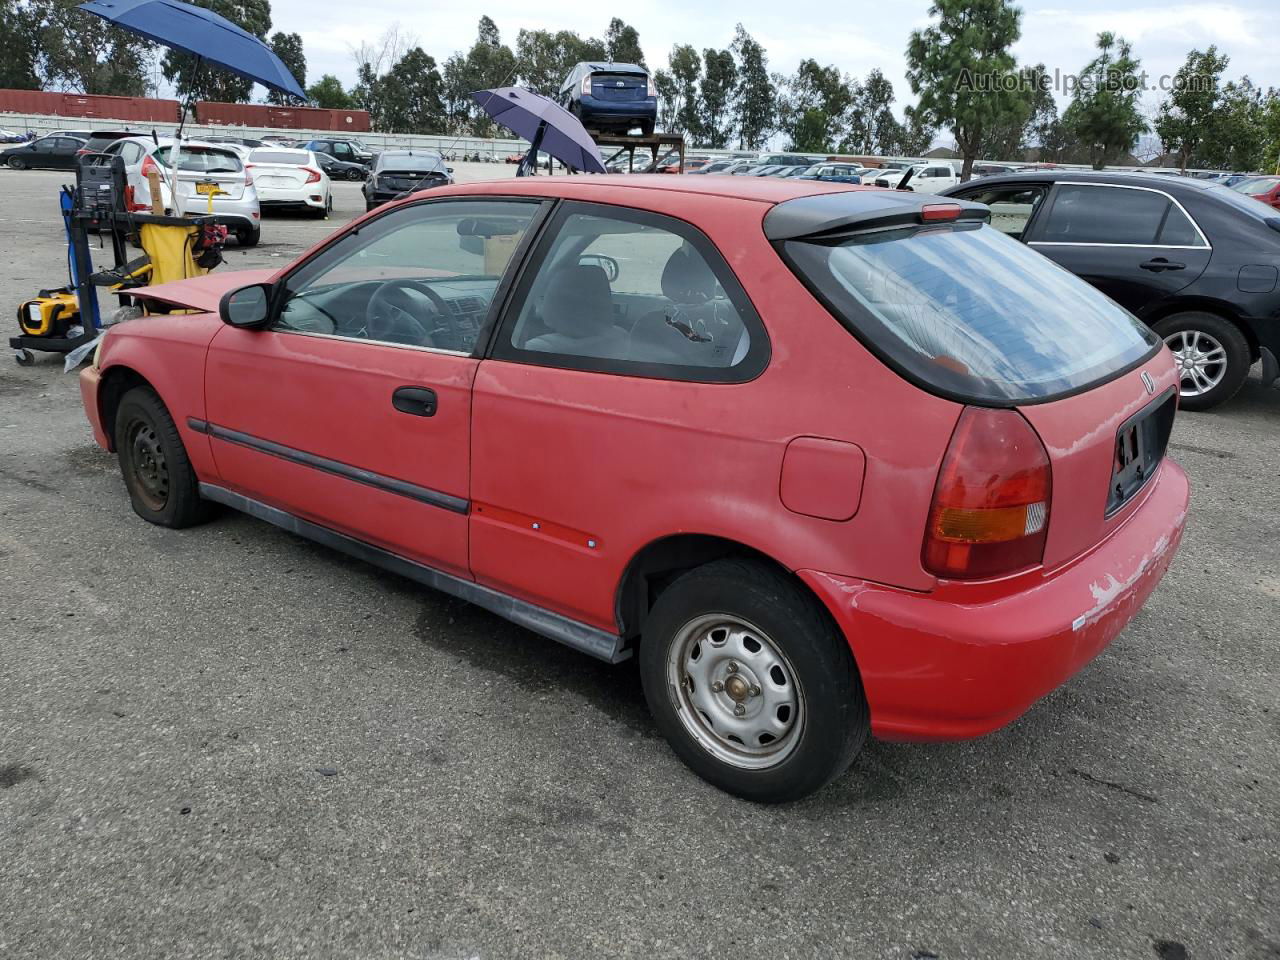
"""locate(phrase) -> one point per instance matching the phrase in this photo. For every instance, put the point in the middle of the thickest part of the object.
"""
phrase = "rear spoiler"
(829, 215)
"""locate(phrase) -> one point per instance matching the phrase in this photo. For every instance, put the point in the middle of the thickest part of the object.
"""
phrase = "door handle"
(1160, 263)
(415, 401)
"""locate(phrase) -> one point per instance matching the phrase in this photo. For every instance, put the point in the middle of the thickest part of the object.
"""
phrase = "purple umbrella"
(545, 124)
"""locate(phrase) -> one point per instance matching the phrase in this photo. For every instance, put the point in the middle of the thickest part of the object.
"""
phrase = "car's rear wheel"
(158, 474)
(751, 682)
(248, 236)
(17, 163)
(1211, 354)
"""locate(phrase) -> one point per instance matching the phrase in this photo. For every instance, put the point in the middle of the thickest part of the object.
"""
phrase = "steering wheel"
(395, 314)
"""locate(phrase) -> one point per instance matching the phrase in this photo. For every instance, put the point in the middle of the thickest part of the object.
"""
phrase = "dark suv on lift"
(611, 97)
(1197, 262)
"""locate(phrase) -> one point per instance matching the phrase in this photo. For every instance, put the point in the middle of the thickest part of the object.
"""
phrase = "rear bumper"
(968, 659)
(614, 111)
(90, 380)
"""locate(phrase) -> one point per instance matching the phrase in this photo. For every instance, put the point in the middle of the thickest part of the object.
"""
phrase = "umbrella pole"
(530, 166)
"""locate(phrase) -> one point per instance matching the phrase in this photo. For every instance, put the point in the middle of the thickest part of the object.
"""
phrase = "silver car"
(211, 177)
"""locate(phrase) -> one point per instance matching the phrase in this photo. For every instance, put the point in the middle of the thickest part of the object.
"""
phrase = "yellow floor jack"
(67, 319)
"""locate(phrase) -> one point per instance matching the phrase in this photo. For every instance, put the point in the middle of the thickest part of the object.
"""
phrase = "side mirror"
(248, 307)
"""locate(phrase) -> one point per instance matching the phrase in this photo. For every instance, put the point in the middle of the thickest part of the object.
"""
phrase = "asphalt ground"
(228, 742)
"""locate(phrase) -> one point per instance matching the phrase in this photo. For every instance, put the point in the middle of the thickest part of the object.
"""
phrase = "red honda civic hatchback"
(831, 462)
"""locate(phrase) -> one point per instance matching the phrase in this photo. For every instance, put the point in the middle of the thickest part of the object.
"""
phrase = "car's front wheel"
(1211, 355)
(751, 682)
(355, 175)
(161, 482)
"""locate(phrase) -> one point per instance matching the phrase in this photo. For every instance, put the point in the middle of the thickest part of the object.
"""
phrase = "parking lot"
(227, 741)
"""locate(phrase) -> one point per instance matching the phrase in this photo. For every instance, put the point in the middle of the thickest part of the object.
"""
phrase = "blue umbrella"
(545, 124)
(201, 33)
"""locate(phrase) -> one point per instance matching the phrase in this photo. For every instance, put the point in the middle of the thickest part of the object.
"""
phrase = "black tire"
(1227, 338)
(355, 175)
(17, 163)
(369, 206)
(647, 128)
(834, 720)
(161, 482)
(249, 236)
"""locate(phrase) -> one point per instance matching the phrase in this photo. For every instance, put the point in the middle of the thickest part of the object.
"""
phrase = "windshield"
(971, 312)
(1256, 187)
(411, 161)
(201, 159)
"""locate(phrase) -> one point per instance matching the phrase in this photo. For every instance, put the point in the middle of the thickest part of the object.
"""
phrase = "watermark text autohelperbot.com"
(1060, 81)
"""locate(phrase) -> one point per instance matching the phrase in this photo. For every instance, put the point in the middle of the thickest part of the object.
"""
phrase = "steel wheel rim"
(735, 691)
(148, 465)
(1200, 359)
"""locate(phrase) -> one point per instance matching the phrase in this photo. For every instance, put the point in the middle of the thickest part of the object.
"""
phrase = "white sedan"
(290, 178)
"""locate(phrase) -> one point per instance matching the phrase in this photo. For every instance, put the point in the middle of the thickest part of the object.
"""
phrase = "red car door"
(352, 407)
(626, 335)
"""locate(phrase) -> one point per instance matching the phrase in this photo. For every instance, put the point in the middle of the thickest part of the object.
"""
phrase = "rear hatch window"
(192, 159)
(969, 313)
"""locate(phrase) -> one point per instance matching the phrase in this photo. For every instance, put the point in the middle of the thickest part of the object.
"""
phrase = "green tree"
(686, 69)
(490, 64)
(1185, 117)
(719, 79)
(205, 81)
(1010, 137)
(1103, 116)
(1271, 132)
(80, 52)
(409, 95)
(1237, 132)
(622, 43)
(544, 59)
(754, 110)
(288, 47)
(328, 92)
(871, 124)
(910, 137)
(19, 46)
(814, 94)
(957, 66)
(668, 99)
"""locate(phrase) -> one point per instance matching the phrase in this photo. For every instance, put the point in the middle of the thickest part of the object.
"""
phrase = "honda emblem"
(1148, 382)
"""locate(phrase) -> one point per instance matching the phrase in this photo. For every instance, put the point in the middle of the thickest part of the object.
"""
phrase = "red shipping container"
(97, 107)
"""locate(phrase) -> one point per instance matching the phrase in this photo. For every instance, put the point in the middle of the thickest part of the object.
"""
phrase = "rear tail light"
(931, 212)
(313, 176)
(82, 151)
(653, 88)
(148, 165)
(990, 511)
(586, 85)
(248, 177)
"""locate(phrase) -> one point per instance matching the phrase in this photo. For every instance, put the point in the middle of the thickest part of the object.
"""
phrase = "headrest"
(578, 302)
(687, 279)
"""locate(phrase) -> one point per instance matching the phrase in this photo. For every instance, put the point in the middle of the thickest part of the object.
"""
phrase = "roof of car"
(851, 204)
(1158, 181)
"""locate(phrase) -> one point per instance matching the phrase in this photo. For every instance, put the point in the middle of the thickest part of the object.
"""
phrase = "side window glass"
(421, 276)
(626, 292)
(1011, 208)
(342, 150)
(1107, 215)
(1178, 230)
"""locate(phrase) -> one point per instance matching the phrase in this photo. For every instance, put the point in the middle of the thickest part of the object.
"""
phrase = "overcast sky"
(1059, 33)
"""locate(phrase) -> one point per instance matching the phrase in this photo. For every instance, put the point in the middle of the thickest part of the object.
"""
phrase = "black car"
(397, 172)
(341, 169)
(47, 153)
(347, 150)
(99, 140)
(611, 97)
(1197, 262)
